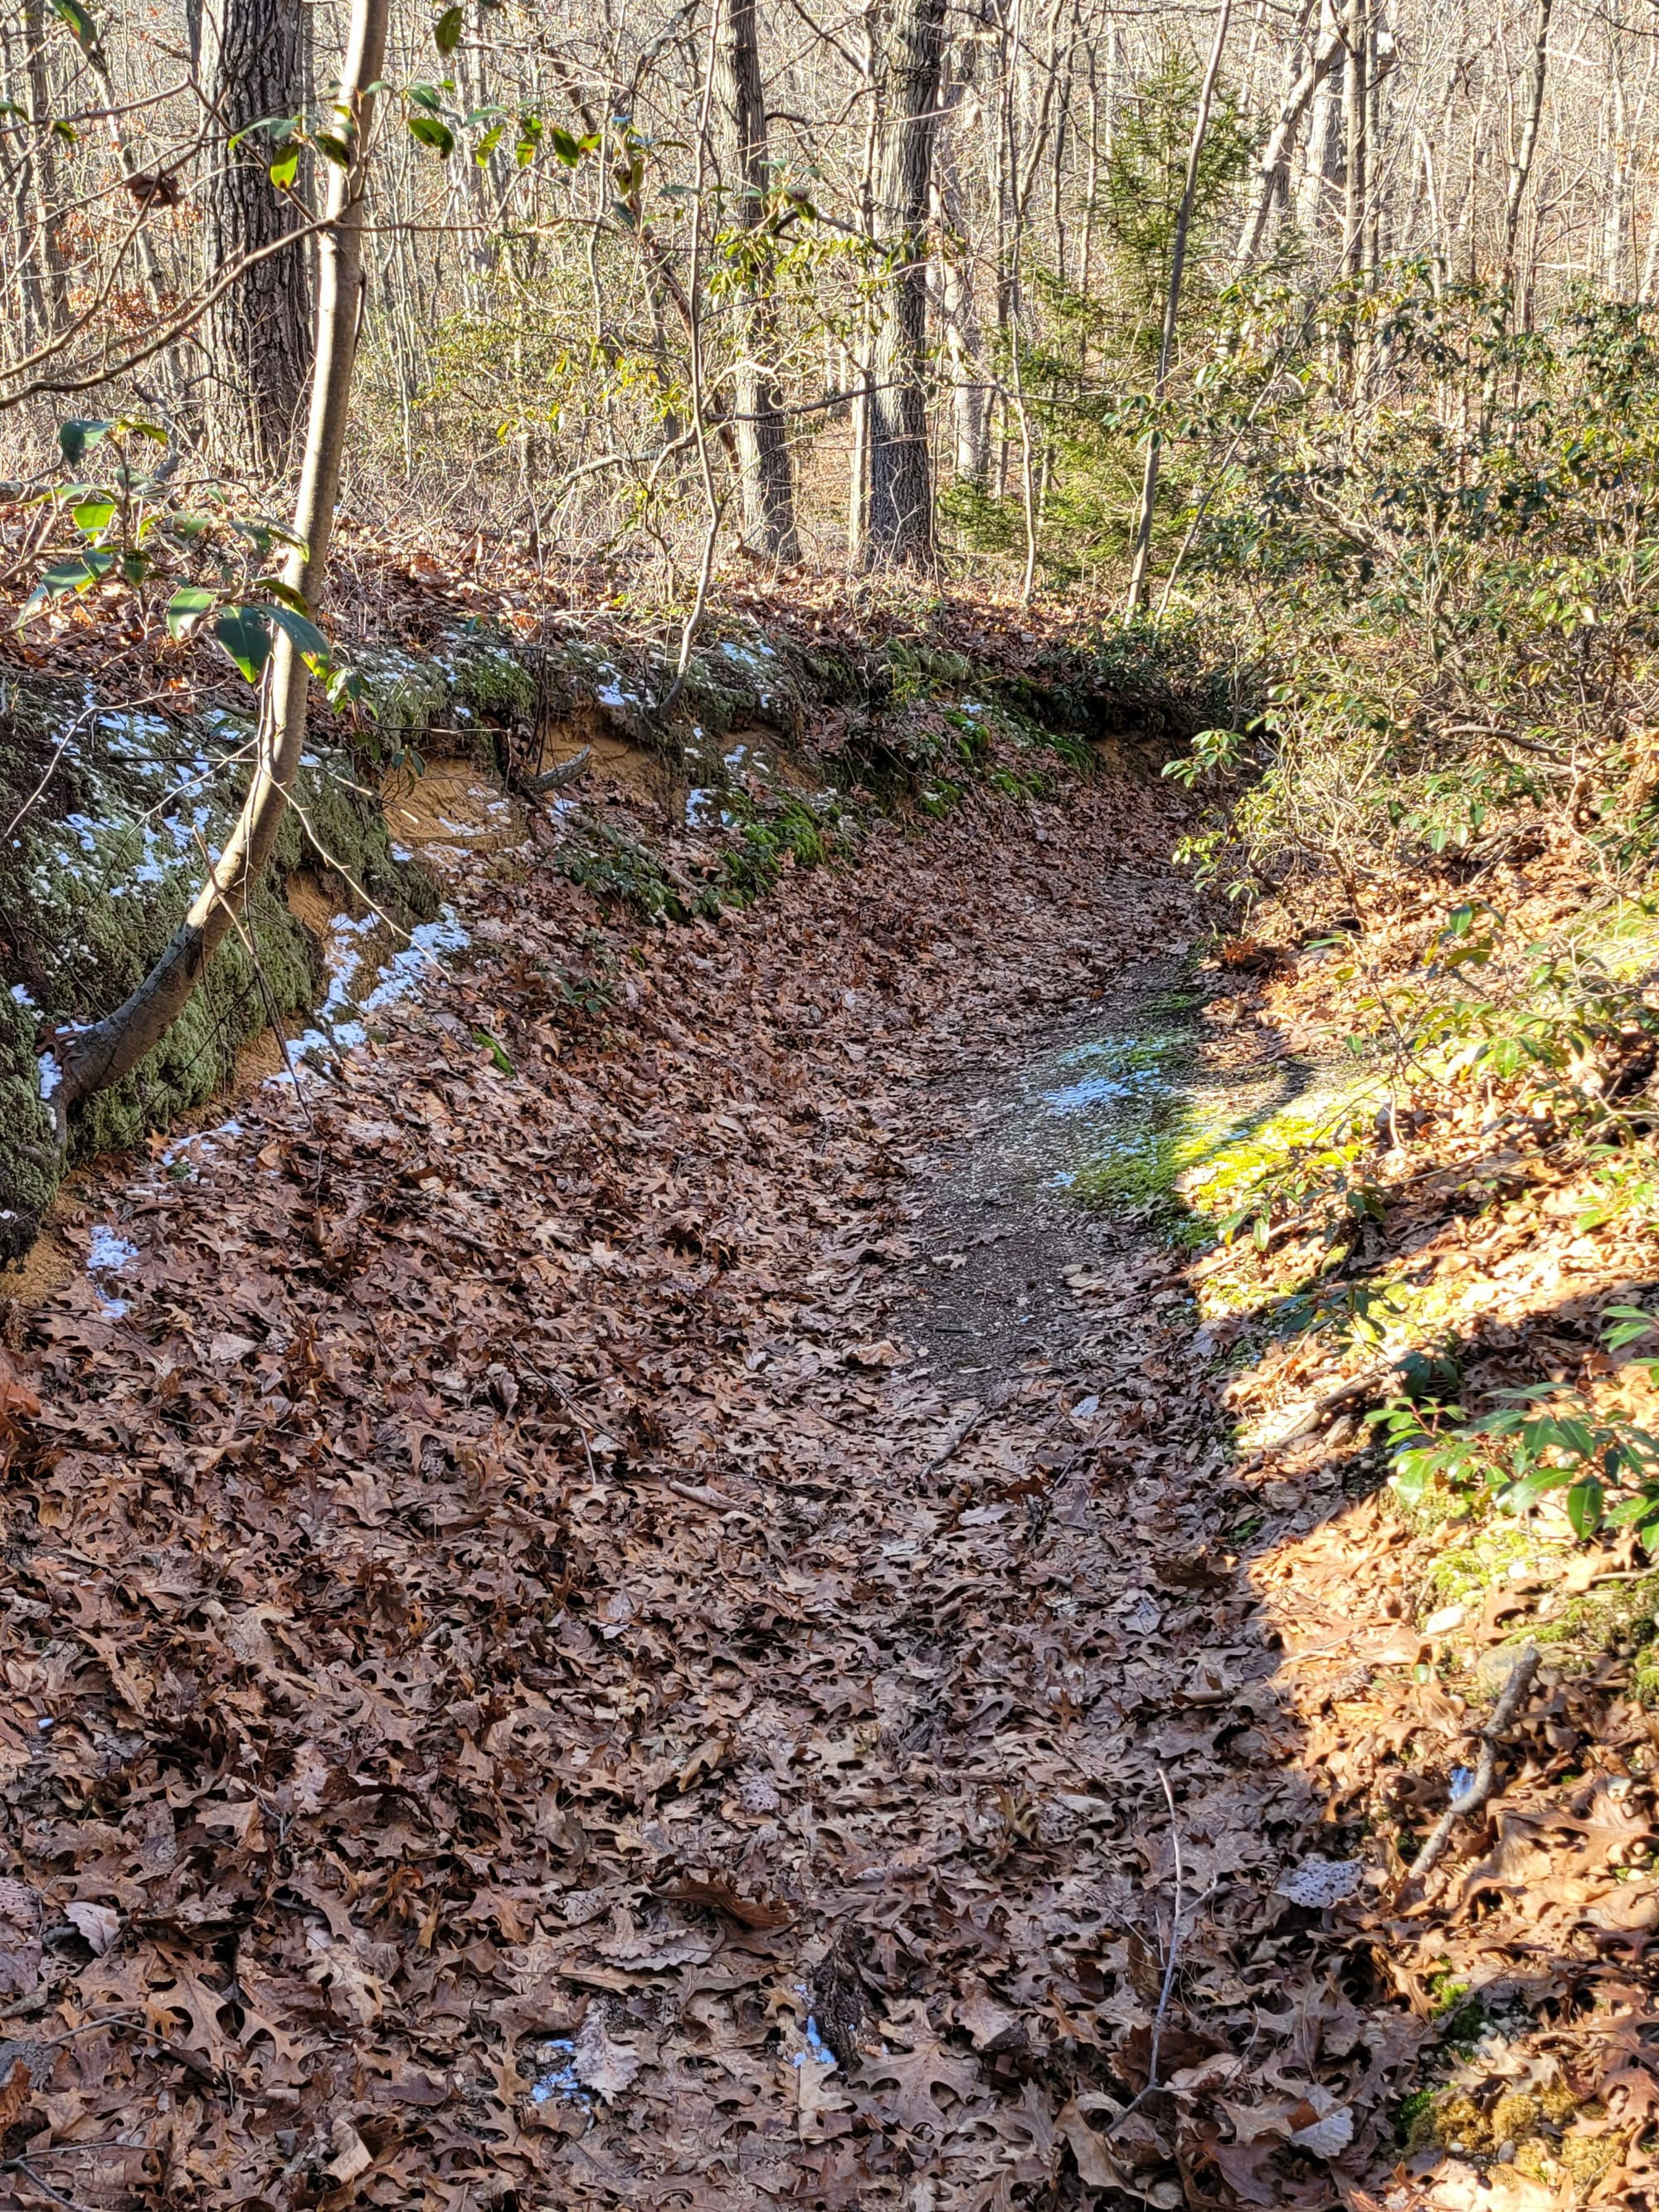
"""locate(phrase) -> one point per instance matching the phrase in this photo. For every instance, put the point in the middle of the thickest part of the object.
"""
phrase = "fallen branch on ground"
(1486, 1772)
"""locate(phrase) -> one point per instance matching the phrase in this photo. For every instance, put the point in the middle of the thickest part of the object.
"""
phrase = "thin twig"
(22, 2165)
(1486, 1772)
(1170, 1960)
(1175, 1931)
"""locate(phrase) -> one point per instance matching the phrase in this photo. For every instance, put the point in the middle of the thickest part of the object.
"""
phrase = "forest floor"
(628, 1602)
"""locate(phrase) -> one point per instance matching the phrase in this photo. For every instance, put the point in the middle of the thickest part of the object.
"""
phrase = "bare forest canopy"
(650, 287)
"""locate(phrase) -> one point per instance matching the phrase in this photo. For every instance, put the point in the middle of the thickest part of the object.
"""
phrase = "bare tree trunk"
(1355, 103)
(959, 308)
(899, 518)
(769, 502)
(1280, 141)
(1317, 173)
(111, 1049)
(1143, 537)
(49, 279)
(1521, 167)
(260, 330)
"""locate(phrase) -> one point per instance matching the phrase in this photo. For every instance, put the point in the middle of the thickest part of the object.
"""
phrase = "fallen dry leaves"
(526, 1688)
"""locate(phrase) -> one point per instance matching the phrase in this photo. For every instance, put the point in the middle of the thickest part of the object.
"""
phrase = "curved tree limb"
(112, 1048)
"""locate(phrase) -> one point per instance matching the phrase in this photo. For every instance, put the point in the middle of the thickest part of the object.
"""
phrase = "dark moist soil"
(1001, 1230)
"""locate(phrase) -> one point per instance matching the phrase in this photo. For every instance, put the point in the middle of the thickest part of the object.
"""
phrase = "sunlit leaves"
(81, 29)
(186, 607)
(432, 131)
(246, 636)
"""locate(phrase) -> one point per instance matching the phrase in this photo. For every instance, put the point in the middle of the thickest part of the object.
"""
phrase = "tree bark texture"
(1276, 153)
(1355, 117)
(769, 502)
(899, 511)
(959, 312)
(111, 1049)
(1521, 167)
(260, 332)
(44, 265)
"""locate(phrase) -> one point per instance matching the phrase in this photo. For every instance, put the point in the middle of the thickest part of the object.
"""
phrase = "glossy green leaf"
(94, 514)
(430, 132)
(447, 31)
(77, 574)
(245, 635)
(81, 28)
(77, 436)
(308, 640)
(286, 167)
(279, 589)
(186, 607)
(1586, 1503)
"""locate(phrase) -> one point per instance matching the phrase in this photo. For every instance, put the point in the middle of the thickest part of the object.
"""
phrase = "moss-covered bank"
(772, 740)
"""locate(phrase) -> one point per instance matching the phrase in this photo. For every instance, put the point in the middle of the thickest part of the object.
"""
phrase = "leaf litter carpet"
(536, 1676)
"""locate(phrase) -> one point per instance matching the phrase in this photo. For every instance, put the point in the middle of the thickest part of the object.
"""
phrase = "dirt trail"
(586, 1626)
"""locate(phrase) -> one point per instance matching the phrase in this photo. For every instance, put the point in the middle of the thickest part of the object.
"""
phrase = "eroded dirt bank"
(586, 1626)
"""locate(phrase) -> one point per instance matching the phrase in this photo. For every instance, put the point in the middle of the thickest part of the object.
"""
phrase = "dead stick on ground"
(1172, 1957)
(1486, 1772)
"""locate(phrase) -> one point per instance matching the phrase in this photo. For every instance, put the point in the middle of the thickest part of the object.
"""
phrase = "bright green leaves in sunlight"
(433, 124)
(132, 538)
(1543, 1441)
(426, 122)
(186, 609)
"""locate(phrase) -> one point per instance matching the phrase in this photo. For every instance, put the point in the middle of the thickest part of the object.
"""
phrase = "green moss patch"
(102, 867)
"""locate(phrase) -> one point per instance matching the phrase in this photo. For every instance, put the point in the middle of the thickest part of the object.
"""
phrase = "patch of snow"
(558, 2077)
(401, 973)
(50, 1074)
(204, 1138)
(108, 1251)
(613, 692)
(1093, 1091)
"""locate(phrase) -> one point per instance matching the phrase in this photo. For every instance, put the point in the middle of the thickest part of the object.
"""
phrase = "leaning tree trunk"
(1275, 156)
(111, 1049)
(259, 331)
(899, 511)
(768, 499)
